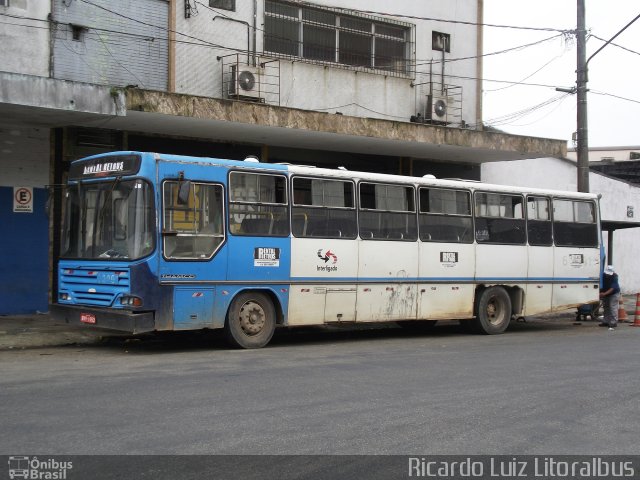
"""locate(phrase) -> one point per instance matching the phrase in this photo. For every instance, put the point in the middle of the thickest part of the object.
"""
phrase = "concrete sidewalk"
(40, 330)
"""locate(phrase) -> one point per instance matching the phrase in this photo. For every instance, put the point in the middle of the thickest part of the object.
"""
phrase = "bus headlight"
(131, 301)
(65, 296)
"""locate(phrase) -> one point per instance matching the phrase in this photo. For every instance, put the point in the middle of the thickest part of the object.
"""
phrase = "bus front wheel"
(493, 311)
(251, 320)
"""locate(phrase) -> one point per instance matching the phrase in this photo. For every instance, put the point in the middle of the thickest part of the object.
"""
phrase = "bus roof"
(308, 170)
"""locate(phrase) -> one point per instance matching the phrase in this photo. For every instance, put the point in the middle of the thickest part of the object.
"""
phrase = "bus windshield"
(108, 220)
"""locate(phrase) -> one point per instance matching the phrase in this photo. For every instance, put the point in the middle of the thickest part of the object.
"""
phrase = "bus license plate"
(87, 318)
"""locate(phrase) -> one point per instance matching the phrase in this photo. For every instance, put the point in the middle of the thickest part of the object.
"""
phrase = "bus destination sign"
(116, 165)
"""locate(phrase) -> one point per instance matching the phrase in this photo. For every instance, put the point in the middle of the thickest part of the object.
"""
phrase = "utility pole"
(581, 91)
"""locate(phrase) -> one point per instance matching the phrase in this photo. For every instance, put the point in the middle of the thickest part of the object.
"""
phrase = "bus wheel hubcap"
(252, 318)
(493, 312)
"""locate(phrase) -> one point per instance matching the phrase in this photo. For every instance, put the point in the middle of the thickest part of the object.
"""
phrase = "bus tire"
(251, 320)
(493, 312)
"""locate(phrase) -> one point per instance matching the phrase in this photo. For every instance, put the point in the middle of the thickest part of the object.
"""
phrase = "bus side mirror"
(183, 192)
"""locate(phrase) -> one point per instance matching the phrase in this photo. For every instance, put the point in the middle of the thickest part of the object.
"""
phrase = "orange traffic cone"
(636, 321)
(622, 312)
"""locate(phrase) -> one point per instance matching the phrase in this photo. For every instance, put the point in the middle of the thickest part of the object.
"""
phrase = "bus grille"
(94, 286)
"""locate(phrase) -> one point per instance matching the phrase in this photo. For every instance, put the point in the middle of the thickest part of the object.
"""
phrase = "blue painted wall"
(24, 250)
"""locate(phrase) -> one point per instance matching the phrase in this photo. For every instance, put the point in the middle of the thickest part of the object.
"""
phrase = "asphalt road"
(541, 388)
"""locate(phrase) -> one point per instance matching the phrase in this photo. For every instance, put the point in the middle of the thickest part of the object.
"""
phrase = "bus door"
(447, 254)
(193, 245)
(577, 253)
(500, 229)
(540, 238)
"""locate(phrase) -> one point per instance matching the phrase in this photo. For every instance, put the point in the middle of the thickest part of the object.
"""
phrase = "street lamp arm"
(612, 38)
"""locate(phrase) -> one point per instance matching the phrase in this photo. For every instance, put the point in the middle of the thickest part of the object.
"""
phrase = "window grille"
(329, 35)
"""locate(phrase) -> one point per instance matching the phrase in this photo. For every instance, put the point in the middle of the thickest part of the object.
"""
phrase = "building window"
(77, 33)
(223, 4)
(4, 3)
(440, 41)
(330, 36)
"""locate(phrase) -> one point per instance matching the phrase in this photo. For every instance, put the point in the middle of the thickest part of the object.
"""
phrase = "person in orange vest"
(610, 295)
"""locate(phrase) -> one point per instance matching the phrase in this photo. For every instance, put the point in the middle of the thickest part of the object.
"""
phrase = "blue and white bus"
(155, 242)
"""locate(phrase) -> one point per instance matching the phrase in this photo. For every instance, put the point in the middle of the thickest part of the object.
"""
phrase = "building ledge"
(267, 124)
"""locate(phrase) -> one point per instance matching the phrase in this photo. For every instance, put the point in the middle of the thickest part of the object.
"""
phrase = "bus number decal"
(576, 259)
(449, 257)
(266, 257)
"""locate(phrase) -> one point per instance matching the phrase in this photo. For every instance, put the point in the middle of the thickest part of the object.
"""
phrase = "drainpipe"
(479, 41)
(255, 28)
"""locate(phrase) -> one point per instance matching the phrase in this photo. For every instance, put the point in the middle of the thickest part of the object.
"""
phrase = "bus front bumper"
(102, 318)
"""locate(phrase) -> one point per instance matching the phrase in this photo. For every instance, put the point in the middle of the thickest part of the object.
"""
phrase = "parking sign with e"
(23, 200)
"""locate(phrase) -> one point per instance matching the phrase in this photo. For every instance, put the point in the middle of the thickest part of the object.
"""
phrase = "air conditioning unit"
(246, 82)
(438, 108)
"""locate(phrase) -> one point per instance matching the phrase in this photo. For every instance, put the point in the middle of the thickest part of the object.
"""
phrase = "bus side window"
(195, 230)
(387, 212)
(539, 229)
(574, 223)
(323, 208)
(500, 218)
(258, 204)
(445, 215)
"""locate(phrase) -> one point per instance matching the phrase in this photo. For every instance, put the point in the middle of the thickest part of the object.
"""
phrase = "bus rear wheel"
(493, 311)
(251, 320)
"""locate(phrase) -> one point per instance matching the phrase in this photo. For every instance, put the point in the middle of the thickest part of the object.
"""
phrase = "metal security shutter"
(120, 42)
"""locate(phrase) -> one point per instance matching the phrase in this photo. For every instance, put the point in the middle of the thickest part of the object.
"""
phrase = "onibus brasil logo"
(326, 257)
(34, 468)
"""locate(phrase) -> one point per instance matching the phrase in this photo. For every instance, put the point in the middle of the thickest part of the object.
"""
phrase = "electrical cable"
(461, 22)
(615, 44)
(614, 96)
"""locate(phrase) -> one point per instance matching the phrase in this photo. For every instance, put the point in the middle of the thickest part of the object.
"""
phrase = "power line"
(559, 104)
(615, 45)
(510, 117)
(433, 19)
(614, 96)
(420, 62)
(499, 52)
(520, 82)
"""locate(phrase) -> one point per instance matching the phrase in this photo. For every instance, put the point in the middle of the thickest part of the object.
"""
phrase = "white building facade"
(373, 59)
